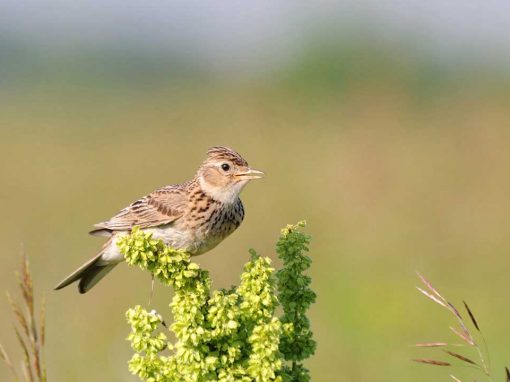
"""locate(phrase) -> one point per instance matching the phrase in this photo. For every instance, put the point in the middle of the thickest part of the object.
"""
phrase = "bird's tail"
(89, 274)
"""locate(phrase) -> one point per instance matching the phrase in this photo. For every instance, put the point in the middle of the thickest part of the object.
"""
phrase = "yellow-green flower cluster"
(223, 335)
(295, 296)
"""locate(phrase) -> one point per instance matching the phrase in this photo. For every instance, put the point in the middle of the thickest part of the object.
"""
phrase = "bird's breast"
(199, 234)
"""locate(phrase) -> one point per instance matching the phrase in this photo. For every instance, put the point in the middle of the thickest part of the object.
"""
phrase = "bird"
(194, 216)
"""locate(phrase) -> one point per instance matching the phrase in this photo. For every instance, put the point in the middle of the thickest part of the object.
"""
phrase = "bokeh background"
(385, 124)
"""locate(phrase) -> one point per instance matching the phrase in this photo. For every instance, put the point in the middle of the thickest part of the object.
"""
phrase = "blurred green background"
(387, 127)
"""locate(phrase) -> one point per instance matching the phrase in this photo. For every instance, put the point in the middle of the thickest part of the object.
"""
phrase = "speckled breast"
(201, 229)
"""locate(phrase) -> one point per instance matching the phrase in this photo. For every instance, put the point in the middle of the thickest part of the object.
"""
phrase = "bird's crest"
(221, 152)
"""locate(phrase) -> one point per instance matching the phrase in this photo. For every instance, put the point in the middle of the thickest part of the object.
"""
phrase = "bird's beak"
(250, 174)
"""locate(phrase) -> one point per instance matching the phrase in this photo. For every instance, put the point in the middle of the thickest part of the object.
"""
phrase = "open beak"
(250, 174)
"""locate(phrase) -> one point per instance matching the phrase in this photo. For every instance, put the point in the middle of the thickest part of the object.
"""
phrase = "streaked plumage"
(194, 216)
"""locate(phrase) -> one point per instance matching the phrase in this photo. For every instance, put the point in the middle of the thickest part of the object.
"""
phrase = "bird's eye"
(225, 167)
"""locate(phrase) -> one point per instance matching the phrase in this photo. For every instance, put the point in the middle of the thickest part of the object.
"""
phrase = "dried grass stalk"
(30, 335)
(462, 332)
(430, 344)
(471, 316)
(461, 357)
(431, 288)
(432, 362)
(462, 336)
(432, 297)
(5, 357)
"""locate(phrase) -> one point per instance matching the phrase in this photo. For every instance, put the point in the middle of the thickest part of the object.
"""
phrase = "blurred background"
(385, 124)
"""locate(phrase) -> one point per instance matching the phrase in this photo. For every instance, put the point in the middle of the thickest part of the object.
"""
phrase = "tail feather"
(93, 275)
(101, 232)
(89, 274)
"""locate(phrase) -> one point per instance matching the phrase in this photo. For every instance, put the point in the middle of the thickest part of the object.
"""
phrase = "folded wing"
(163, 206)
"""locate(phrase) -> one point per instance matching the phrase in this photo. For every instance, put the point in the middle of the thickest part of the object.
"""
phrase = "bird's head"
(224, 173)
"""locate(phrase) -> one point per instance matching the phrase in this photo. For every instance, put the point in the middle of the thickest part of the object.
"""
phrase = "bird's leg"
(150, 300)
(152, 289)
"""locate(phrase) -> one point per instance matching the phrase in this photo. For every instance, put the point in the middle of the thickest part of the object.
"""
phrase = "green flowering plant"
(223, 335)
(296, 296)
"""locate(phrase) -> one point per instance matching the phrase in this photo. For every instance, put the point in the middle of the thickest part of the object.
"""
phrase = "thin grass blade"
(5, 357)
(454, 310)
(432, 297)
(432, 362)
(430, 344)
(462, 336)
(20, 317)
(26, 284)
(471, 316)
(461, 357)
(42, 318)
(430, 287)
(26, 361)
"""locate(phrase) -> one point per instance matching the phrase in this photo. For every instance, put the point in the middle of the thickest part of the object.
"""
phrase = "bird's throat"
(225, 194)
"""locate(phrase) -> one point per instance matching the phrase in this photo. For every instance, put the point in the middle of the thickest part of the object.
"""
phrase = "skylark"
(194, 216)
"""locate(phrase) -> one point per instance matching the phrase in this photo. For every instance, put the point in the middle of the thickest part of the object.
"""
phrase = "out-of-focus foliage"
(399, 163)
(226, 335)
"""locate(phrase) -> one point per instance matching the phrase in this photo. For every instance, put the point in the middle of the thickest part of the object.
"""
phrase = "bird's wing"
(163, 206)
